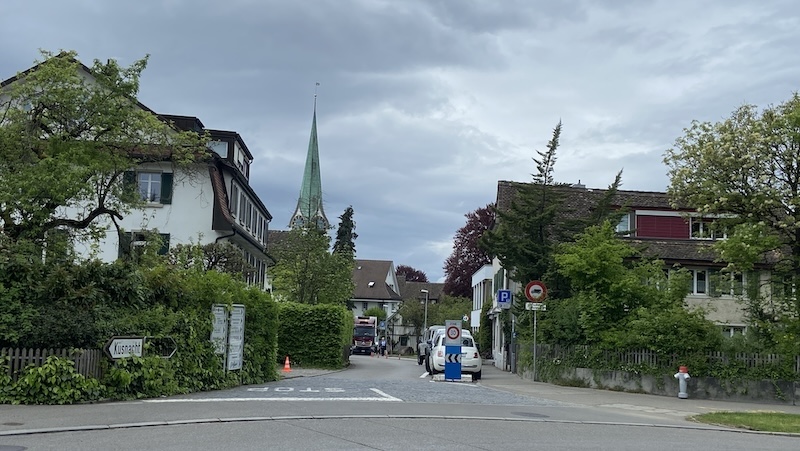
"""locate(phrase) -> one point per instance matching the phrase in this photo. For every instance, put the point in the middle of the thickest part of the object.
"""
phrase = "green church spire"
(309, 206)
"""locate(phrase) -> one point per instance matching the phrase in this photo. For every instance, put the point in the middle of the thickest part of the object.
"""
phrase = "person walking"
(383, 347)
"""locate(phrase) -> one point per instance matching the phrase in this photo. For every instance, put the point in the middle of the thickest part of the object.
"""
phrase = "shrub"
(141, 377)
(54, 382)
(314, 335)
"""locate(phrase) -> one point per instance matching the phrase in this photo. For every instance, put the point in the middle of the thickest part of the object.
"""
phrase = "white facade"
(187, 219)
(481, 294)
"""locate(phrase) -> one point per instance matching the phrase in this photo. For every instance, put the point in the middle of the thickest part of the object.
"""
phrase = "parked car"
(431, 343)
(471, 361)
(424, 345)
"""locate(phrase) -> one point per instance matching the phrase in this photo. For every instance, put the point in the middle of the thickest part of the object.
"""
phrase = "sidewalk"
(502, 380)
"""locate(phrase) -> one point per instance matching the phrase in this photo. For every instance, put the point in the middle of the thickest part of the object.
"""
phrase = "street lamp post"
(425, 321)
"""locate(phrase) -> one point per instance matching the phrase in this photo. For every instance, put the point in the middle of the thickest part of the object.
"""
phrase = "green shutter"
(124, 249)
(164, 244)
(129, 185)
(166, 188)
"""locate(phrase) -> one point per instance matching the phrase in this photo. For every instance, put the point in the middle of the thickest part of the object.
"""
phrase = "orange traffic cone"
(286, 367)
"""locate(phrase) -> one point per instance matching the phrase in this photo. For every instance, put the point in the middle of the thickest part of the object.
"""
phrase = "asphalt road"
(377, 403)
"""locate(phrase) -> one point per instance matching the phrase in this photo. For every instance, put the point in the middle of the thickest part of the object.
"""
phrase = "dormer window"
(707, 229)
(624, 225)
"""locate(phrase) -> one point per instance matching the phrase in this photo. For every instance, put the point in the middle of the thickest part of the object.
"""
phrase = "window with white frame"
(726, 283)
(152, 186)
(707, 229)
(242, 205)
(730, 331)
(624, 225)
(234, 200)
(699, 281)
(132, 243)
(149, 186)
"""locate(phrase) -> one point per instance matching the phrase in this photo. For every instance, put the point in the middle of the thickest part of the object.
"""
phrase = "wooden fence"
(87, 361)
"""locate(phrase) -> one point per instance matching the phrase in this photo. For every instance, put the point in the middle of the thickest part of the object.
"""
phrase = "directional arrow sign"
(453, 358)
(120, 347)
(162, 346)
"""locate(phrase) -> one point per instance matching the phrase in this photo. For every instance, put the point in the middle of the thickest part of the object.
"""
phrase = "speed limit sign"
(452, 332)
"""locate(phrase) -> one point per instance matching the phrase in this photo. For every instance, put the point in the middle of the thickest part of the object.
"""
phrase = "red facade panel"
(673, 227)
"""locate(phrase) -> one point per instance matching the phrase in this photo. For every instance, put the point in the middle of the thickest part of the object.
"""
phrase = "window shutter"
(124, 249)
(166, 188)
(164, 244)
(129, 185)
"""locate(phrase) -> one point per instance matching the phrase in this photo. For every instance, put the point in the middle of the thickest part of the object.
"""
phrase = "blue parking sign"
(504, 299)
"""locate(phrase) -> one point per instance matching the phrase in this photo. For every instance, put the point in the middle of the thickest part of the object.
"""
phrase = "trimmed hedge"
(83, 305)
(314, 335)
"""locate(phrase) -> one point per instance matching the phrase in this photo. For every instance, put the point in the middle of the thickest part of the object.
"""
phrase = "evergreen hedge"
(314, 335)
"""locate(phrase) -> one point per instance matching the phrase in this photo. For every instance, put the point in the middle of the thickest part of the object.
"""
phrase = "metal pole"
(534, 345)
(512, 352)
(425, 321)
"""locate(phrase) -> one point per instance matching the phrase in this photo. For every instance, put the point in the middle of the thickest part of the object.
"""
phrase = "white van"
(423, 345)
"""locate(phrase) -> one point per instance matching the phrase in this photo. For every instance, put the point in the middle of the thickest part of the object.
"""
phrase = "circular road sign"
(535, 291)
(453, 332)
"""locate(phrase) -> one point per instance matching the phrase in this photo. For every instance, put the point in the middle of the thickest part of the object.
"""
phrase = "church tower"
(309, 206)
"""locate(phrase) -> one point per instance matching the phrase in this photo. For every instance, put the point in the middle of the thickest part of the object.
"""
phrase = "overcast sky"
(423, 105)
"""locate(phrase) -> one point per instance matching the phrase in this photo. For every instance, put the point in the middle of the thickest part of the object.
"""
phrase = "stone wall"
(765, 391)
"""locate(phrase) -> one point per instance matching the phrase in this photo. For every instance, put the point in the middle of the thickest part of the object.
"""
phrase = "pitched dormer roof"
(369, 278)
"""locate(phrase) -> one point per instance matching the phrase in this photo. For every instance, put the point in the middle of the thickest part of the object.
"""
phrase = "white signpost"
(236, 337)
(228, 334)
(219, 335)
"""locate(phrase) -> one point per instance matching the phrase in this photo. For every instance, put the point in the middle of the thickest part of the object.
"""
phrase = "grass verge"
(755, 421)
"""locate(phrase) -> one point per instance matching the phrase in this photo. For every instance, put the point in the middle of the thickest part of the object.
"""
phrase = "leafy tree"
(376, 312)
(346, 234)
(745, 171)
(468, 257)
(411, 274)
(413, 313)
(223, 257)
(67, 138)
(308, 273)
(449, 308)
(615, 287)
(485, 332)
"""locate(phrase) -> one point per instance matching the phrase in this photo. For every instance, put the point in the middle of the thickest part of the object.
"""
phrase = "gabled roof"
(369, 278)
(579, 201)
(412, 290)
(82, 67)
(582, 199)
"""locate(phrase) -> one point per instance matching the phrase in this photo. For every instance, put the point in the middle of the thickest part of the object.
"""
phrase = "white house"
(206, 202)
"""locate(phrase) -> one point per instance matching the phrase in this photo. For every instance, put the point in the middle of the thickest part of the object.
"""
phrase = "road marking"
(425, 374)
(388, 397)
(382, 397)
(291, 389)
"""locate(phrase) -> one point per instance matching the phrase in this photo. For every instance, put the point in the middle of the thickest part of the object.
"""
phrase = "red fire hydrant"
(682, 375)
